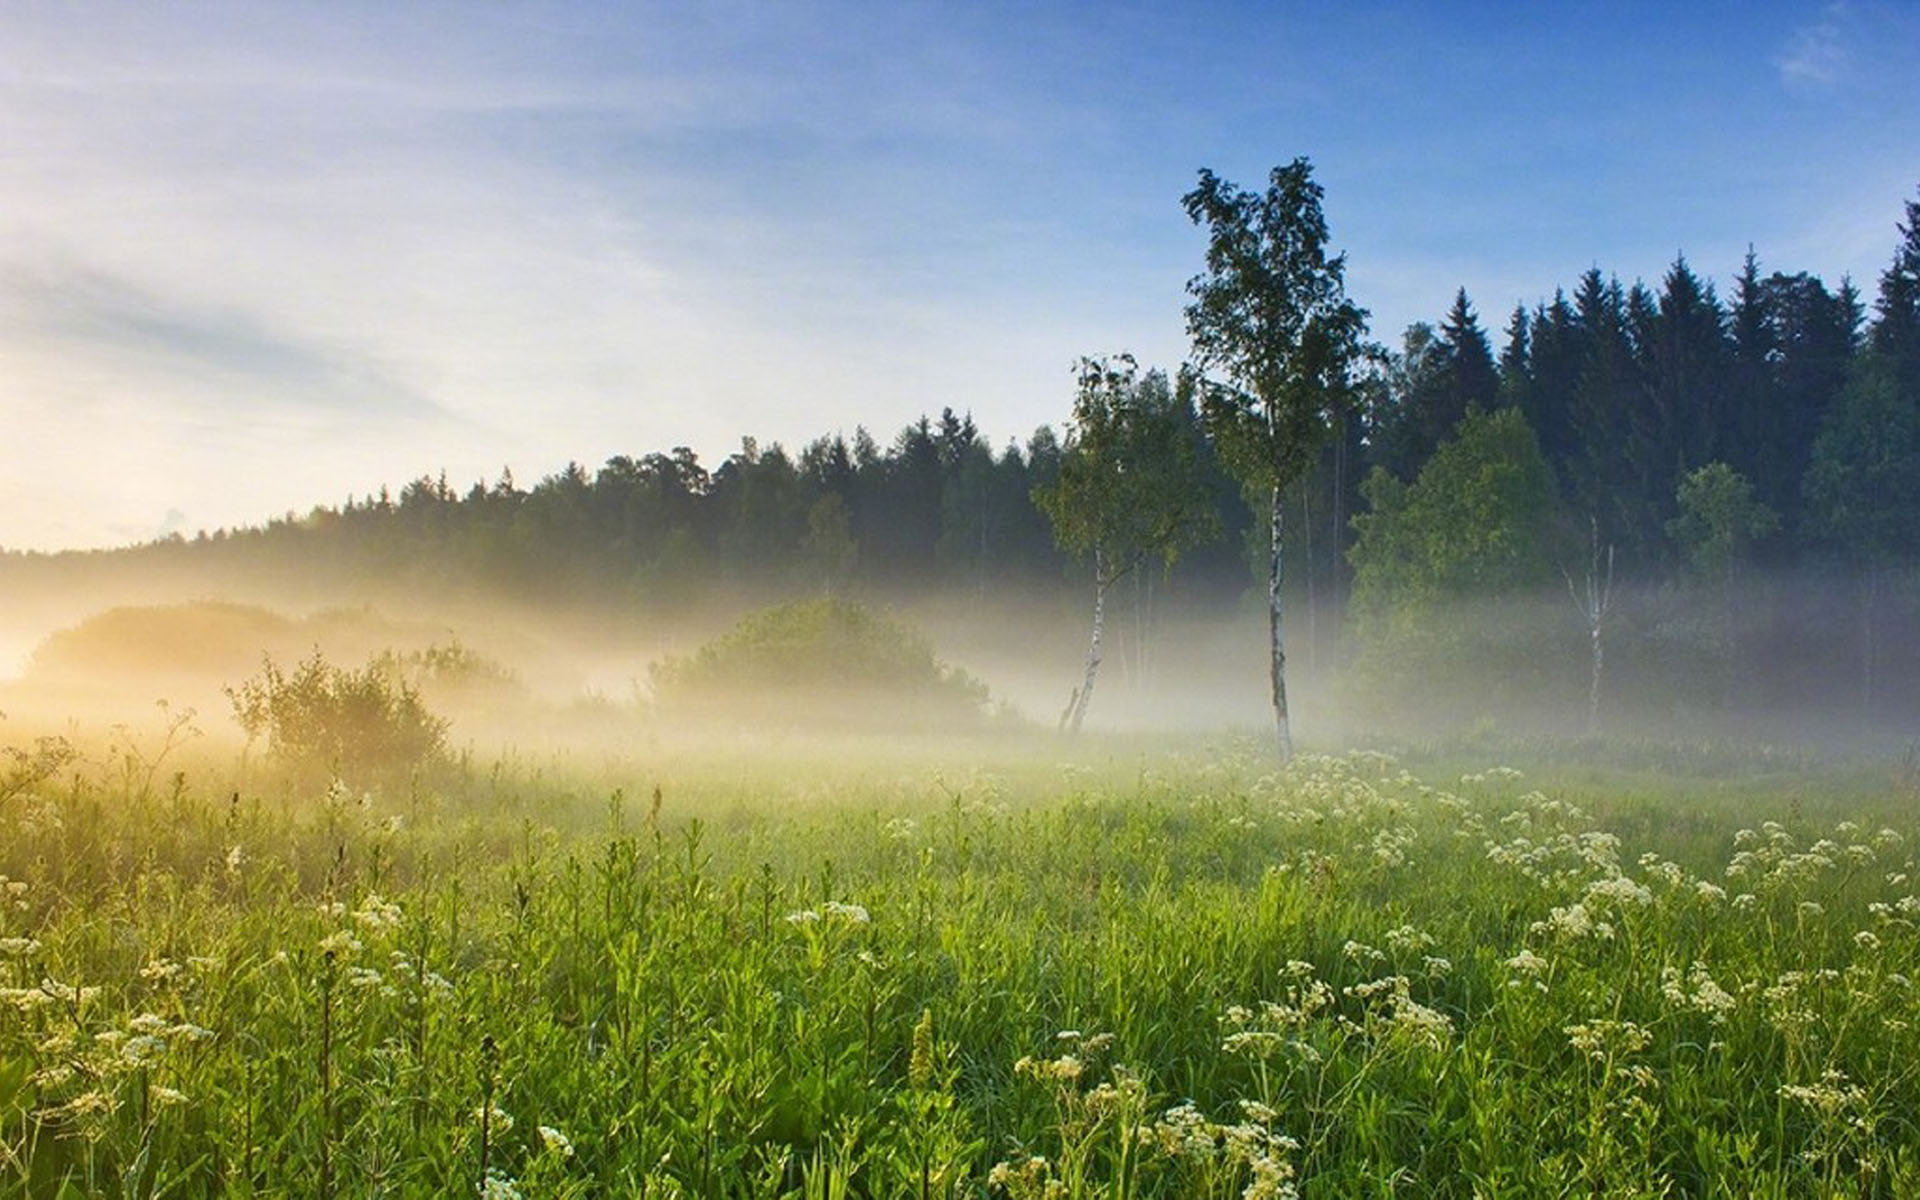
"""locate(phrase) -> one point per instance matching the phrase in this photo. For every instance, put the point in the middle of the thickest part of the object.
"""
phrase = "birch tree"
(1594, 598)
(1274, 340)
(1129, 488)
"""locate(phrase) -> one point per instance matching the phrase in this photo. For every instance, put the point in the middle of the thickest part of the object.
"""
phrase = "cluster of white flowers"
(1389, 846)
(1527, 963)
(852, 913)
(1560, 860)
(1360, 952)
(1259, 1034)
(1831, 1098)
(1572, 923)
(1253, 1143)
(1065, 1069)
(1408, 939)
(1605, 1040)
(1125, 1093)
(161, 971)
(377, 913)
(1029, 1178)
(1497, 776)
(1768, 857)
(1697, 992)
(1789, 1005)
(499, 1187)
(1406, 1017)
(1620, 891)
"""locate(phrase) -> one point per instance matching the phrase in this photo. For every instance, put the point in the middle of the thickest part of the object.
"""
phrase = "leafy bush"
(205, 639)
(364, 724)
(820, 663)
(1447, 573)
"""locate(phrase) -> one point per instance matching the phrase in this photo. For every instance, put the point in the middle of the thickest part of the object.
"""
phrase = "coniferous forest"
(1737, 475)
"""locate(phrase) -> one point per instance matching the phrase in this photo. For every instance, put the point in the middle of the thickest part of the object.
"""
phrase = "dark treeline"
(937, 507)
(1708, 444)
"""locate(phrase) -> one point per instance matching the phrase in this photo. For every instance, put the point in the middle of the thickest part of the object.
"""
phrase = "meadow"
(1115, 970)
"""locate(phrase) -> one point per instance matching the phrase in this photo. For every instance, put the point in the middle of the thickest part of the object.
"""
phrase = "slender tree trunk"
(1313, 600)
(1869, 642)
(1599, 671)
(1283, 729)
(1093, 647)
(1147, 663)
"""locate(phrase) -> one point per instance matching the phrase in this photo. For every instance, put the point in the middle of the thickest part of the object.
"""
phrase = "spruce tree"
(1896, 329)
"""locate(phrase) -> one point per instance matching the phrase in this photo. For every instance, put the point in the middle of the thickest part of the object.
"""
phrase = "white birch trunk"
(1599, 670)
(1869, 639)
(1093, 647)
(1283, 729)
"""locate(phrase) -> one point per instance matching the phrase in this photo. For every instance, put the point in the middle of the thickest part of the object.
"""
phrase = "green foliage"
(364, 725)
(1271, 316)
(1129, 486)
(827, 662)
(1863, 486)
(1719, 519)
(1476, 522)
(203, 638)
(1475, 526)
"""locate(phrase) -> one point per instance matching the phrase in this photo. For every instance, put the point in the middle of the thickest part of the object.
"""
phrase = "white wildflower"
(499, 1187)
(1527, 963)
(852, 913)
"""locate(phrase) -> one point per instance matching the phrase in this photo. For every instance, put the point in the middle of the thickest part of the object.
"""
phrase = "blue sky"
(255, 257)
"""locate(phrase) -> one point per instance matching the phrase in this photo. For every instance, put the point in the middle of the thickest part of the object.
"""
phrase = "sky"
(256, 257)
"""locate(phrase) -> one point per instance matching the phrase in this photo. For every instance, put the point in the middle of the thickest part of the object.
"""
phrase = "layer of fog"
(583, 671)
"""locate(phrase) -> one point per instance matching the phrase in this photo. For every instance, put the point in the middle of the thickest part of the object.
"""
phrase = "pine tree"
(1689, 360)
(1470, 378)
(1516, 365)
(1558, 348)
(1752, 396)
(1896, 329)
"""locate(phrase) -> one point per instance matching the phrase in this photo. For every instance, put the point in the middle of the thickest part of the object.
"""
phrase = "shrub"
(364, 725)
(822, 662)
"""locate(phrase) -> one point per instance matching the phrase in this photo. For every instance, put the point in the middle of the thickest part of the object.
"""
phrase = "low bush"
(820, 663)
(364, 725)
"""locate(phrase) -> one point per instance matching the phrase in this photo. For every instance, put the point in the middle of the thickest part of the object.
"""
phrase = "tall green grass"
(1185, 975)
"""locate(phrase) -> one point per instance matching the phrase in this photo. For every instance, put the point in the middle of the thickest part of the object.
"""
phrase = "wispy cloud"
(1818, 54)
(110, 321)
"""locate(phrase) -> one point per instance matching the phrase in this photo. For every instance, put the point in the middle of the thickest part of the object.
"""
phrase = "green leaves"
(1130, 485)
(1274, 335)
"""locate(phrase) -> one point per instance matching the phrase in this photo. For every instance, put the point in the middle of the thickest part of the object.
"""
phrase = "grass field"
(1173, 972)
